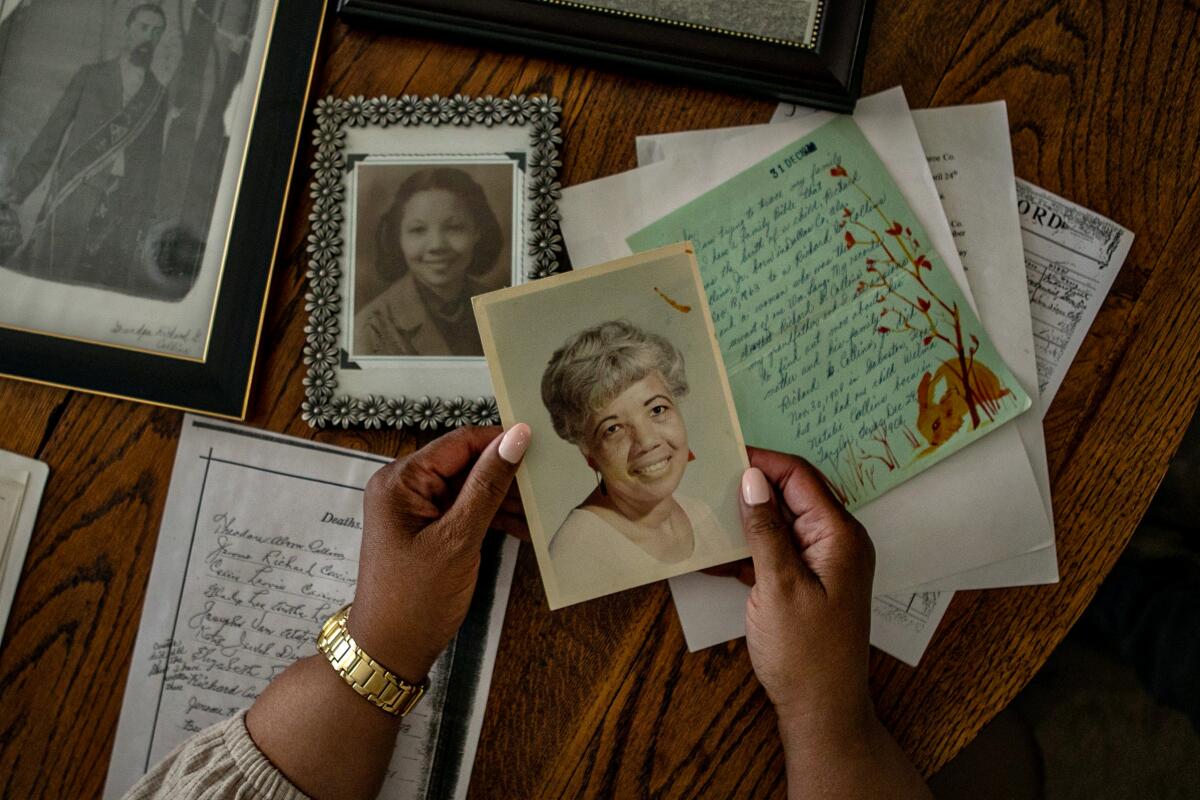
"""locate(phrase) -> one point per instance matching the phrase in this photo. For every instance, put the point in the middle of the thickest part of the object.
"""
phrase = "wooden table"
(602, 699)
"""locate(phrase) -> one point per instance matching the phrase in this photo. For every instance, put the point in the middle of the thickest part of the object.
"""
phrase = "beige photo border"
(482, 305)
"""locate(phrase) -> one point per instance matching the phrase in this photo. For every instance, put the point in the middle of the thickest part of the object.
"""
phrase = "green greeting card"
(845, 338)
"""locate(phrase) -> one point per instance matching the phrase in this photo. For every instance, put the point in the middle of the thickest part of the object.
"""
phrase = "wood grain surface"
(602, 699)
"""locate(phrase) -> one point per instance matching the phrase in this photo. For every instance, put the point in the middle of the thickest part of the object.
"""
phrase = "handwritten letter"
(845, 339)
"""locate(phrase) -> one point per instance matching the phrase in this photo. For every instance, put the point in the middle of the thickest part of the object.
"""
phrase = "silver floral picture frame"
(365, 365)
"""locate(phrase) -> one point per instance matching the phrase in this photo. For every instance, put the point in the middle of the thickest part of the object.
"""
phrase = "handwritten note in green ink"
(845, 338)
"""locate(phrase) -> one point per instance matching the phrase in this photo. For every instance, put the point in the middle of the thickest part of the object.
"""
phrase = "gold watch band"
(364, 674)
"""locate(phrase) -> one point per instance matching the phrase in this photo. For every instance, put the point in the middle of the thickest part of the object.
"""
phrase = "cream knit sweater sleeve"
(218, 763)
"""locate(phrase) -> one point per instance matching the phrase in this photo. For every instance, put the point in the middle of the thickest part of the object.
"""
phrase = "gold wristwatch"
(365, 675)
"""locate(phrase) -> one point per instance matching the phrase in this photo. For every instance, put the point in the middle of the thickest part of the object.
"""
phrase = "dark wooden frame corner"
(825, 74)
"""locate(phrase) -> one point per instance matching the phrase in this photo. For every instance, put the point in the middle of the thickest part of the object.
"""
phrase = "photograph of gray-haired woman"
(614, 390)
(436, 245)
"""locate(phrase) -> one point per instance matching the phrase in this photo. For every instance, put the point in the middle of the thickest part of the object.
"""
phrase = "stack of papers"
(1033, 267)
(22, 481)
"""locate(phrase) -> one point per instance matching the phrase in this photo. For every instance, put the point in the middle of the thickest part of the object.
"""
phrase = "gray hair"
(597, 364)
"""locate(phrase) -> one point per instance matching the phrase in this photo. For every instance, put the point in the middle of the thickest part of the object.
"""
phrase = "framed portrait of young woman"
(420, 204)
(146, 150)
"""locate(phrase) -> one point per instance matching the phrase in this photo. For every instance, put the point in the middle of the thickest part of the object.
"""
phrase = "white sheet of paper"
(894, 629)
(258, 545)
(970, 158)
(972, 149)
(12, 493)
(971, 161)
(22, 482)
(1072, 256)
(1038, 566)
(712, 610)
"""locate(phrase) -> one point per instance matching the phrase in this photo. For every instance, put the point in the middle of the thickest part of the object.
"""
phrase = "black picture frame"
(218, 385)
(824, 73)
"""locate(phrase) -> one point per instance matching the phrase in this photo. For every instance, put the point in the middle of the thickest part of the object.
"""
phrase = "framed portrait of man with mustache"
(134, 150)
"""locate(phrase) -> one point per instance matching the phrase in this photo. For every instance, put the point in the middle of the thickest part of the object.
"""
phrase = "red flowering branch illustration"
(915, 308)
(852, 474)
(888, 459)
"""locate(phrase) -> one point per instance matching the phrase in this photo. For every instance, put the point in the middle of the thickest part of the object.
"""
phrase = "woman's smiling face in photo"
(438, 237)
(638, 442)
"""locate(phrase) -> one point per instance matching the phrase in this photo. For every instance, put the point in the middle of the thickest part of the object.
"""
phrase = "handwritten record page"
(1072, 257)
(258, 546)
(845, 337)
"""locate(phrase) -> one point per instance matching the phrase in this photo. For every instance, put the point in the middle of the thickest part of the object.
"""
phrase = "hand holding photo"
(640, 483)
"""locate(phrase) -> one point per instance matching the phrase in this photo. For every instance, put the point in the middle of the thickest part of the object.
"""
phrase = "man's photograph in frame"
(638, 453)
(428, 236)
(122, 134)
